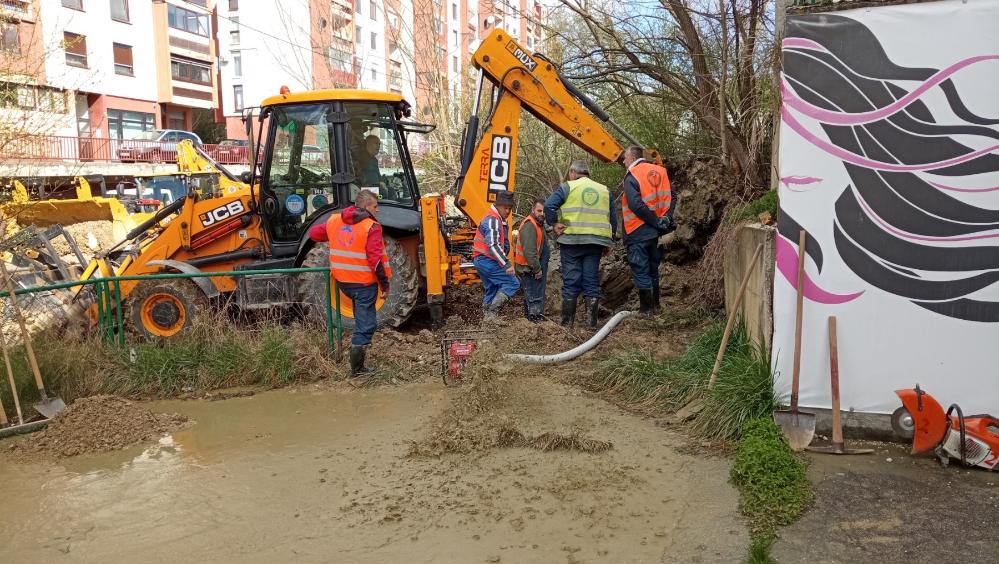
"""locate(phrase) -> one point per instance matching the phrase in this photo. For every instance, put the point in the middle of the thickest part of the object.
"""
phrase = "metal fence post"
(121, 324)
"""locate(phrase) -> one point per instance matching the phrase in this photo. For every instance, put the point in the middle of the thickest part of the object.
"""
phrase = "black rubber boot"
(645, 301)
(568, 312)
(655, 297)
(357, 368)
(592, 309)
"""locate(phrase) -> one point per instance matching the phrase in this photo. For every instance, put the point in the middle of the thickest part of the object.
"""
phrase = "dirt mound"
(97, 424)
(90, 236)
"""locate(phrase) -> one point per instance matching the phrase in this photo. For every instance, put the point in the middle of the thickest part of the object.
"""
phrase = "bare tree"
(713, 59)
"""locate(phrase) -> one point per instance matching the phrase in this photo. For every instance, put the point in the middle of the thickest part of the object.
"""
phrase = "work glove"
(384, 286)
(665, 225)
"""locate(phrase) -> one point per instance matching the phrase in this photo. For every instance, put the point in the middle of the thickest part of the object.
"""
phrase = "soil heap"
(98, 424)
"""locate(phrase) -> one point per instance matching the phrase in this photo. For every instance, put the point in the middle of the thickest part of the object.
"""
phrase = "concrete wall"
(756, 309)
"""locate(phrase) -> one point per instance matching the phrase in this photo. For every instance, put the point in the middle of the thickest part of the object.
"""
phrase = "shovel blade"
(49, 407)
(798, 427)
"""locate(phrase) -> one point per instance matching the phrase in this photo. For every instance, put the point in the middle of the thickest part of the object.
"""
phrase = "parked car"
(232, 151)
(157, 145)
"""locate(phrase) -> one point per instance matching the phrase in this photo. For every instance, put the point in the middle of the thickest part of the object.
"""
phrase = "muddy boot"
(645, 301)
(568, 312)
(357, 368)
(655, 298)
(491, 312)
(592, 309)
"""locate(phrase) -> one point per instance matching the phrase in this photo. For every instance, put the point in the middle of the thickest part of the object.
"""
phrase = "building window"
(233, 5)
(373, 8)
(357, 6)
(190, 71)
(454, 11)
(175, 120)
(29, 97)
(75, 4)
(454, 59)
(237, 64)
(202, 3)
(359, 33)
(237, 97)
(339, 58)
(76, 49)
(374, 40)
(454, 38)
(374, 75)
(10, 39)
(437, 25)
(234, 33)
(128, 125)
(123, 59)
(186, 20)
(119, 10)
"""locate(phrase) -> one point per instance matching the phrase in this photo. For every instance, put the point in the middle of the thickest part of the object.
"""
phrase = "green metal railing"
(107, 293)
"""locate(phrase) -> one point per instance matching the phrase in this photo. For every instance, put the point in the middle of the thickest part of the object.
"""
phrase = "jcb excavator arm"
(531, 82)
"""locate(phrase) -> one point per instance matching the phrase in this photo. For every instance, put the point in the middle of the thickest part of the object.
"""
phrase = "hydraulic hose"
(573, 353)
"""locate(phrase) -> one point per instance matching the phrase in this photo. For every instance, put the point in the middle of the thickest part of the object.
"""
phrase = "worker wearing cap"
(490, 250)
(581, 212)
(647, 209)
(530, 255)
(359, 265)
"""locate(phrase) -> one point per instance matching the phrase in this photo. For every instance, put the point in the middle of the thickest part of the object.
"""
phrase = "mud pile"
(97, 424)
(91, 236)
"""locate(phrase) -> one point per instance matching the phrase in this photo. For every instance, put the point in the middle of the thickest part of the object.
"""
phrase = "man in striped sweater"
(490, 255)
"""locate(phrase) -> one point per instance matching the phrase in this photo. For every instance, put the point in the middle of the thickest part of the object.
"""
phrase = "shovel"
(47, 406)
(837, 446)
(798, 426)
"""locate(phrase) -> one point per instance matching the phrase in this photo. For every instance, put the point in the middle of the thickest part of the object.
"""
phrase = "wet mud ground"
(320, 474)
(893, 507)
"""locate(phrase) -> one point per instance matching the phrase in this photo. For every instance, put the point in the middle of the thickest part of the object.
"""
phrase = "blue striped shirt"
(494, 232)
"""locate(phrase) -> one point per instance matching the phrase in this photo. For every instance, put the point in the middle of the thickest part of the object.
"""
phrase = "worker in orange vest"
(490, 248)
(360, 266)
(530, 258)
(647, 208)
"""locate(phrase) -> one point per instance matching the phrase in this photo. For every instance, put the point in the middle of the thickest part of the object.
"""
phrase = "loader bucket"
(67, 212)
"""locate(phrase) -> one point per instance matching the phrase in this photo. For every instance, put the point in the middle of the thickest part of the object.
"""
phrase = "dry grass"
(510, 437)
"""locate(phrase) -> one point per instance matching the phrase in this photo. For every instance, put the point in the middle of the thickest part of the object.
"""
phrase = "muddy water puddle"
(321, 476)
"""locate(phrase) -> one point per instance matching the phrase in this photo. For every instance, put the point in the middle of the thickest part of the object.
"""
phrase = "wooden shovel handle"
(732, 315)
(25, 335)
(837, 422)
(796, 375)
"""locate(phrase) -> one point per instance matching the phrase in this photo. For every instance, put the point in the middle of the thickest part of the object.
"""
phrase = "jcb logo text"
(499, 163)
(222, 212)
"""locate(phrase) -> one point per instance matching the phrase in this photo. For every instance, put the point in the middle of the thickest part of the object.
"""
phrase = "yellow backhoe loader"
(317, 150)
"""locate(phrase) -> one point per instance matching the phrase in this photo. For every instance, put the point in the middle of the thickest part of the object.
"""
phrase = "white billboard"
(889, 159)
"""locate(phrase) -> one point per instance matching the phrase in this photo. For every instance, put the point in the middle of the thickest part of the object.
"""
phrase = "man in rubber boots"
(530, 255)
(489, 255)
(581, 212)
(359, 265)
(647, 209)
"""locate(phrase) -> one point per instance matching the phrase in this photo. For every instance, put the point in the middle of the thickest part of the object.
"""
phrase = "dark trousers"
(534, 290)
(581, 271)
(364, 298)
(644, 258)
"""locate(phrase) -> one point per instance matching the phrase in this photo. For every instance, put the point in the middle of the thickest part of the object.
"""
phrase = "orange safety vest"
(479, 244)
(348, 251)
(518, 249)
(653, 181)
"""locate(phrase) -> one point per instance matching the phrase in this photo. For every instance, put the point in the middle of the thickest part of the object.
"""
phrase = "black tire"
(160, 309)
(404, 288)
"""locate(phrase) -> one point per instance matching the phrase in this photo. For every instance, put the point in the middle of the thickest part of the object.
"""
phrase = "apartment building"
(115, 67)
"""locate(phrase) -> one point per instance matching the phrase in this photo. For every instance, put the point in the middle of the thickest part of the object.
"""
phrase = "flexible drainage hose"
(573, 353)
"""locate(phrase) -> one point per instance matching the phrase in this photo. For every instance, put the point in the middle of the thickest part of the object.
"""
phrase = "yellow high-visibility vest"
(586, 210)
